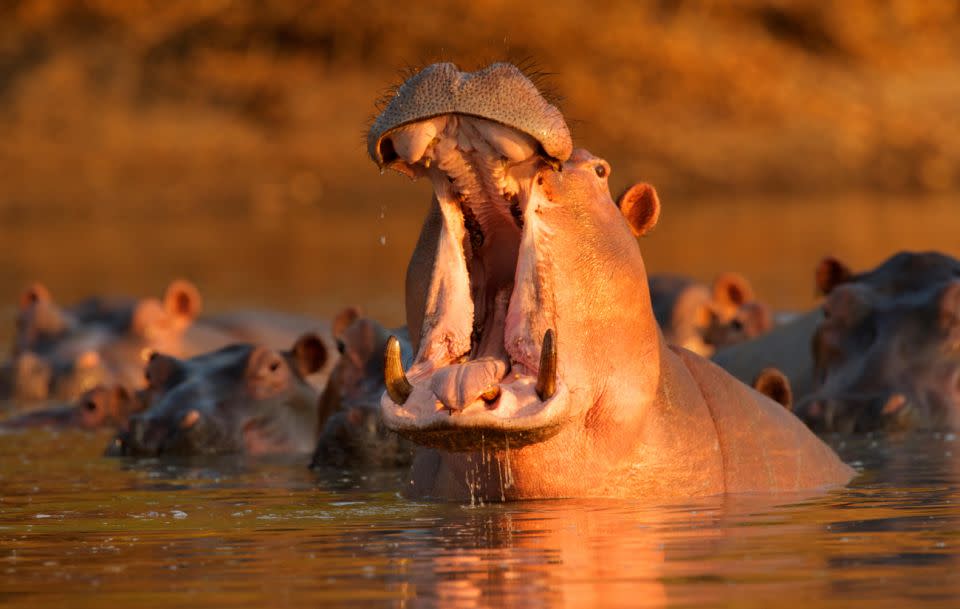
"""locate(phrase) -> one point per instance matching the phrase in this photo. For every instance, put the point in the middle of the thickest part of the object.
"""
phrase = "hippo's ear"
(776, 386)
(830, 273)
(161, 369)
(34, 293)
(950, 305)
(640, 205)
(309, 354)
(182, 300)
(732, 289)
(343, 320)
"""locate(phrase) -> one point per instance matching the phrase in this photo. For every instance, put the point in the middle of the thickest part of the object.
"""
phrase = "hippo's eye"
(736, 325)
(274, 366)
(601, 171)
(90, 405)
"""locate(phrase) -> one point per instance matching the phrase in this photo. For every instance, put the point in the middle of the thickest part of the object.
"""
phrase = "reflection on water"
(80, 530)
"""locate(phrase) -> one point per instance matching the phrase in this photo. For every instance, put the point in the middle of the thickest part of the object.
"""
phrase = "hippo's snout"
(500, 93)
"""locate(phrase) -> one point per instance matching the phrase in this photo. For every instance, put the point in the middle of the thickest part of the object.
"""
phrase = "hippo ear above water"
(640, 205)
(309, 354)
(182, 300)
(950, 306)
(344, 320)
(829, 274)
(732, 289)
(34, 293)
(776, 386)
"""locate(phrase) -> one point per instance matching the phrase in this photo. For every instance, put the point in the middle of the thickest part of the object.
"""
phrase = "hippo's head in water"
(503, 328)
(538, 367)
(887, 353)
(100, 407)
(240, 399)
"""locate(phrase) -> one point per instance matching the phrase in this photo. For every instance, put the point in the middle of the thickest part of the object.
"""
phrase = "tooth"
(547, 378)
(398, 387)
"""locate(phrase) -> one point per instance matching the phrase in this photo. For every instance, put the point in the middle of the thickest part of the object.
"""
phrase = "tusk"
(398, 387)
(547, 377)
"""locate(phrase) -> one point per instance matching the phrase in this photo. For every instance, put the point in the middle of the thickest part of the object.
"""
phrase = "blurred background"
(223, 140)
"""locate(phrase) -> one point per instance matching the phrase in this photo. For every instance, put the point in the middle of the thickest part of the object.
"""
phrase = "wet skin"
(886, 354)
(539, 370)
(244, 398)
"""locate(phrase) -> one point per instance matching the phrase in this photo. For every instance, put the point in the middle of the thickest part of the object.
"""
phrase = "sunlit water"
(80, 530)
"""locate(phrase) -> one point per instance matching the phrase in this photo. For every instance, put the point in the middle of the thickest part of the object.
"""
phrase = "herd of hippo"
(539, 359)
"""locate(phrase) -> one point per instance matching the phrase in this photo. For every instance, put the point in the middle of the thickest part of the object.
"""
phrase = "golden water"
(80, 530)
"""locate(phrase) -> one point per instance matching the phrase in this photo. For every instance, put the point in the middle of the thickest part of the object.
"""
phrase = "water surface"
(81, 530)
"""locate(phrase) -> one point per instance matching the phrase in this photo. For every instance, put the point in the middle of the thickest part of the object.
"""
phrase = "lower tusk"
(547, 377)
(398, 387)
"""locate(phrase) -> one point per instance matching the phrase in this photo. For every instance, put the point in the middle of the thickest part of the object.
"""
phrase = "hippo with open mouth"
(539, 370)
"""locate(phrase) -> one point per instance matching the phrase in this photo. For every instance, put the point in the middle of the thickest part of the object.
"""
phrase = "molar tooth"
(398, 387)
(547, 377)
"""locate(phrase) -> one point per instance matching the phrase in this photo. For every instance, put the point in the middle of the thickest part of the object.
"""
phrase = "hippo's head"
(100, 407)
(886, 354)
(240, 399)
(40, 321)
(356, 380)
(702, 318)
(515, 322)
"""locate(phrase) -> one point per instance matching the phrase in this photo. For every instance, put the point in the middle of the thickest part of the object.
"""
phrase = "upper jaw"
(474, 378)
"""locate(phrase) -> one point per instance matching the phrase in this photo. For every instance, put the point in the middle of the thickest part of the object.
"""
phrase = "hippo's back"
(764, 446)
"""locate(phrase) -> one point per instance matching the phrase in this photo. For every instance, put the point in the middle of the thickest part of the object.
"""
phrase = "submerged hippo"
(107, 341)
(703, 319)
(98, 408)
(242, 398)
(539, 369)
(352, 432)
(885, 355)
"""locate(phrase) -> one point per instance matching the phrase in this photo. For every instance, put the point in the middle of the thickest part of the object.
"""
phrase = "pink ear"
(343, 320)
(309, 354)
(640, 205)
(830, 273)
(776, 386)
(34, 293)
(732, 289)
(182, 300)
(950, 305)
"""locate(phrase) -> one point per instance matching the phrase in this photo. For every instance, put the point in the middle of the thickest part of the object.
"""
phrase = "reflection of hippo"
(100, 407)
(885, 354)
(352, 431)
(241, 399)
(539, 369)
(107, 341)
(702, 319)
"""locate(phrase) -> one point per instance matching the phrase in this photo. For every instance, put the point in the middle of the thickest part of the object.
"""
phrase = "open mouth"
(487, 370)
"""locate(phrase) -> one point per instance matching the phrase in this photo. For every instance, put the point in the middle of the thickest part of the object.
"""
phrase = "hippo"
(241, 399)
(885, 354)
(539, 370)
(98, 408)
(790, 346)
(352, 432)
(703, 319)
(107, 341)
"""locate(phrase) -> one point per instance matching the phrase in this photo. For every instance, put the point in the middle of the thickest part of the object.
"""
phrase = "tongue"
(459, 385)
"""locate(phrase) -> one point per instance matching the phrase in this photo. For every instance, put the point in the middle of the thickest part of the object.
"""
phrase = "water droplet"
(383, 239)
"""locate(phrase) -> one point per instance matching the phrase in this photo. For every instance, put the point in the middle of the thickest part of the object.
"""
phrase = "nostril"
(388, 153)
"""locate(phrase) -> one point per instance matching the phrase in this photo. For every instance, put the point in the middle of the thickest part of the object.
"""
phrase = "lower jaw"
(472, 439)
